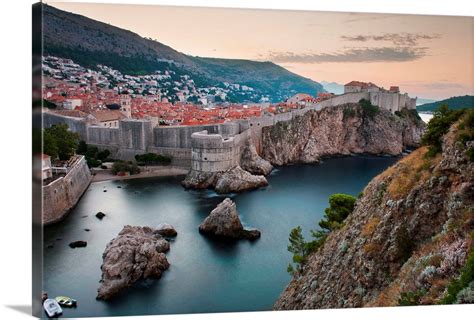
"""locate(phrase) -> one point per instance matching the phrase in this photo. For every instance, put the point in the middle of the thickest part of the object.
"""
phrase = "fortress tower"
(126, 105)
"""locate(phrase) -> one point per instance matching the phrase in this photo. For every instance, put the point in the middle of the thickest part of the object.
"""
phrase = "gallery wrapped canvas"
(191, 160)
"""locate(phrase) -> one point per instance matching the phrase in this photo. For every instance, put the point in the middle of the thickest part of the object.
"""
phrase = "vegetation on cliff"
(410, 238)
(438, 126)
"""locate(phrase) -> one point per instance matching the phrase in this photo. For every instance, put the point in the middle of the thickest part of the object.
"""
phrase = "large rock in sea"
(224, 221)
(136, 253)
(232, 180)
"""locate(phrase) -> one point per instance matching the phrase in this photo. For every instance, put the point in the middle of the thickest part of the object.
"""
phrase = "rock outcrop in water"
(408, 238)
(250, 161)
(224, 221)
(136, 253)
(233, 180)
(340, 130)
(166, 230)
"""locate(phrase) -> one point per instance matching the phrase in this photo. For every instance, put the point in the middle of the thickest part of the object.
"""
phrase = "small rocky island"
(136, 253)
(224, 221)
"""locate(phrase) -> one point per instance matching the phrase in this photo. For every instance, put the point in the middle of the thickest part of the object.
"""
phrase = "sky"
(426, 56)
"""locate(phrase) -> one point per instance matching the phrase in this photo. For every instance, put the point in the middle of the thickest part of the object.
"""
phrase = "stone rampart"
(101, 136)
(62, 194)
(78, 125)
(213, 153)
(140, 136)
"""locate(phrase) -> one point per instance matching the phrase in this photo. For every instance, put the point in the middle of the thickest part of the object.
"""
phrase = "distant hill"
(90, 42)
(453, 103)
(333, 87)
(421, 101)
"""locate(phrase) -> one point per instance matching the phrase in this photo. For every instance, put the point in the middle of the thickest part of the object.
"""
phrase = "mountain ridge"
(457, 102)
(90, 42)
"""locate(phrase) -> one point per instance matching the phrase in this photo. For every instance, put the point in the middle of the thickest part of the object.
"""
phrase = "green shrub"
(414, 114)
(340, 206)
(93, 162)
(349, 113)
(102, 155)
(369, 109)
(59, 142)
(466, 277)
(82, 147)
(122, 166)
(403, 243)
(92, 151)
(437, 127)
(411, 298)
(470, 153)
(153, 158)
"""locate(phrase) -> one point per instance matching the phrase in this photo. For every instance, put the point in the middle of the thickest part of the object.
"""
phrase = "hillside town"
(107, 96)
(170, 100)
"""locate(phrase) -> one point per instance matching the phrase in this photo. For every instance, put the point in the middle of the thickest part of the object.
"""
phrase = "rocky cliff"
(341, 130)
(409, 237)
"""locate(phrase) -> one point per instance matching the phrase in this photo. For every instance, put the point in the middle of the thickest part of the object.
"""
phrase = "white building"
(71, 104)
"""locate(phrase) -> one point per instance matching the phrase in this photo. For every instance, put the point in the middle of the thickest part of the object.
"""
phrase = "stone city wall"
(134, 137)
(78, 125)
(62, 194)
(101, 136)
(214, 153)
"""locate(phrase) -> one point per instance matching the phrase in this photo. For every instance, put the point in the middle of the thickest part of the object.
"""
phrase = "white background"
(15, 171)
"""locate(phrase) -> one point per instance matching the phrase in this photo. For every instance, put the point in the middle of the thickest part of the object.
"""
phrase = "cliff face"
(340, 130)
(410, 233)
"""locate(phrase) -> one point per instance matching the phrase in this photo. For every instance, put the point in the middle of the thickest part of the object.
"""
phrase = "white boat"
(52, 308)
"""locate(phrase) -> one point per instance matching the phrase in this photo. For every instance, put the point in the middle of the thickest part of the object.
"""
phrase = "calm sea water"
(205, 275)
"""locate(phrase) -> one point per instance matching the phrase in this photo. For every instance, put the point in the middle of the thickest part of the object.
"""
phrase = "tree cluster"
(59, 142)
(340, 206)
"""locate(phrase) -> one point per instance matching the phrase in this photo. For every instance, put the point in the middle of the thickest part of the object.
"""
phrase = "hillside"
(89, 43)
(454, 103)
(409, 239)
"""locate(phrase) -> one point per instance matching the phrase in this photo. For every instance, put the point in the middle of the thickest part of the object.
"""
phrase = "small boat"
(52, 308)
(66, 301)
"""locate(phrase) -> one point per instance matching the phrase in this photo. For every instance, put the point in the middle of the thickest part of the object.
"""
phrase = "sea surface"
(426, 117)
(206, 275)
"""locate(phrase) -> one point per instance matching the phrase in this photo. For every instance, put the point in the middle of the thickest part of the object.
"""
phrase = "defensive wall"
(187, 144)
(63, 193)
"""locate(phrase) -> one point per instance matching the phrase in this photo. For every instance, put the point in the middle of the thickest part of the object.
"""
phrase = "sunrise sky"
(427, 56)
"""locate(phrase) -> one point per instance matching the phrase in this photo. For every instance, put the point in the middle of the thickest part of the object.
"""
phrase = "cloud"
(443, 86)
(399, 39)
(380, 54)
